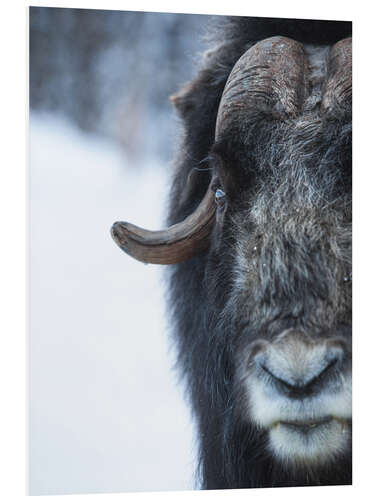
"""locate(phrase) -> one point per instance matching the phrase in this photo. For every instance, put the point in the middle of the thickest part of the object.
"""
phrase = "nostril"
(258, 352)
(298, 387)
(283, 382)
(298, 365)
(327, 370)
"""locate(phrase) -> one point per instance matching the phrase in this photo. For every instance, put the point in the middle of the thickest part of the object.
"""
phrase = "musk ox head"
(272, 237)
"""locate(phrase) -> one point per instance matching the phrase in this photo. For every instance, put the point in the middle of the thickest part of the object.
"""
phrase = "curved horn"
(268, 77)
(174, 244)
(338, 89)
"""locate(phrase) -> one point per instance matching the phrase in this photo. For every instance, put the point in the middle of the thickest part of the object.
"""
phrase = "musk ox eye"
(220, 197)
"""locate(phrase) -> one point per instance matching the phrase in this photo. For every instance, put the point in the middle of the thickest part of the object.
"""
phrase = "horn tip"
(119, 232)
(122, 234)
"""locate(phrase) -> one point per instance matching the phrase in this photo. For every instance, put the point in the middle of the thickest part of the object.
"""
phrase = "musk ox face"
(263, 295)
(283, 248)
(282, 245)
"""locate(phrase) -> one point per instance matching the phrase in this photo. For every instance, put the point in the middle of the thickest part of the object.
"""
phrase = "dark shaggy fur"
(280, 253)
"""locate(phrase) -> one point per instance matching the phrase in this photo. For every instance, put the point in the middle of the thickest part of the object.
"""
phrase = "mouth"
(309, 441)
(308, 426)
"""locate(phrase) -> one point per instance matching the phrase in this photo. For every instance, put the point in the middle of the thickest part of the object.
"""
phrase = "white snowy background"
(106, 414)
(106, 410)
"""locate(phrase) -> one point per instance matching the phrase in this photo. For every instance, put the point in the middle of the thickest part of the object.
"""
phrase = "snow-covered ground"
(106, 412)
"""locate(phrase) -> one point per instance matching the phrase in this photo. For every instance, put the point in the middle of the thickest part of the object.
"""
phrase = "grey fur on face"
(263, 317)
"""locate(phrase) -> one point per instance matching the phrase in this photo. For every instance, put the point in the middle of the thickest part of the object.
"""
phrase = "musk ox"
(259, 247)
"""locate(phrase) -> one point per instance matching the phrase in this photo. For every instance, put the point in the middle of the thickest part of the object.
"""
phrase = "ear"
(183, 100)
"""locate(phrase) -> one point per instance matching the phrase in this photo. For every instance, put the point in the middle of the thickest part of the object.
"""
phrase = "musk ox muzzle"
(298, 390)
